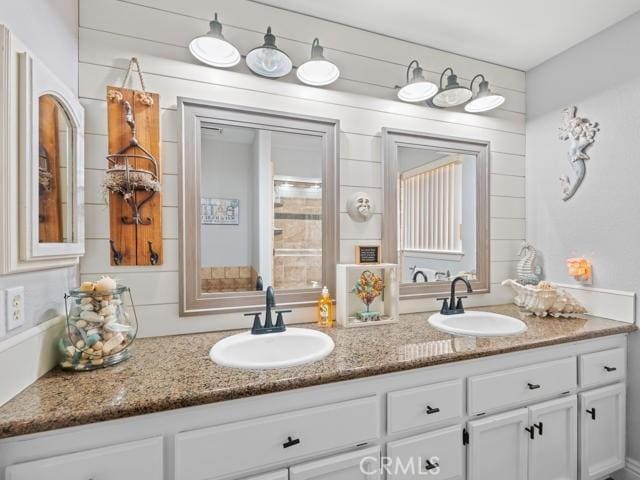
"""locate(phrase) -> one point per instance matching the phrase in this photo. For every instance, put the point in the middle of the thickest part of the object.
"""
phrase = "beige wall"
(158, 32)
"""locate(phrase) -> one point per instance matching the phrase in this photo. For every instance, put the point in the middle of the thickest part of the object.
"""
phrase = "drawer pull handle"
(291, 442)
(533, 386)
(431, 411)
(539, 426)
(610, 369)
(431, 465)
(592, 412)
(531, 431)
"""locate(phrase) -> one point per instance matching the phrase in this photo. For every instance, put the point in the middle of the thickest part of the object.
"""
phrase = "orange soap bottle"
(325, 309)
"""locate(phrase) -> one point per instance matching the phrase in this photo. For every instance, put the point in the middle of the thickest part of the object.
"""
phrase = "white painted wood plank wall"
(158, 32)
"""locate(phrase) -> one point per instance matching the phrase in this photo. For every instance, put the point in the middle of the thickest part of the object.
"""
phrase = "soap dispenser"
(325, 309)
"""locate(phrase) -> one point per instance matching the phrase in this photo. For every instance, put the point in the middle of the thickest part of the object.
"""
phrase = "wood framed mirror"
(436, 211)
(257, 203)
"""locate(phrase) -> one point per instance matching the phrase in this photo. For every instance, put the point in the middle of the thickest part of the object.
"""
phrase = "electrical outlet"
(15, 307)
(3, 315)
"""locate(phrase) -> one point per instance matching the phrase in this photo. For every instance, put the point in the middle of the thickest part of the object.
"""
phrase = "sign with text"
(368, 254)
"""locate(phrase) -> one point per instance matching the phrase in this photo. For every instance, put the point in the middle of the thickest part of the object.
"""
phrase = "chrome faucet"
(268, 326)
(449, 305)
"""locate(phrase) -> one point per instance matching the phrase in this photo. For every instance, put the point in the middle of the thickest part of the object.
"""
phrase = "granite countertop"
(165, 373)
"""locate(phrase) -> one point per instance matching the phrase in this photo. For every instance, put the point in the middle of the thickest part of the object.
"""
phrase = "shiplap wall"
(158, 32)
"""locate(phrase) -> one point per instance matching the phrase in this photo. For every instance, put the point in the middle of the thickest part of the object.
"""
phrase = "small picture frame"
(220, 211)
(368, 254)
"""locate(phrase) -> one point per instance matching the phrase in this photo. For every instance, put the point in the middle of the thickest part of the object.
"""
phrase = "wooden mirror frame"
(391, 140)
(192, 114)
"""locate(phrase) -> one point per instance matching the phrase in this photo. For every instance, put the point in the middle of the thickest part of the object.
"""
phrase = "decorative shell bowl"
(545, 299)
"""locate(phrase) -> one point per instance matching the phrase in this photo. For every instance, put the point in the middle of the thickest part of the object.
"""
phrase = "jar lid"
(76, 292)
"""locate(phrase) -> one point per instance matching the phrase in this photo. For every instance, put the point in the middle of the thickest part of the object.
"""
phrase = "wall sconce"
(418, 89)
(580, 269)
(453, 94)
(268, 60)
(317, 71)
(213, 49)
(485, 99)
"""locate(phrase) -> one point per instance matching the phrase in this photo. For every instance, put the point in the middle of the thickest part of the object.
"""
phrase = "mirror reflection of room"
(55, 167)
(437, 221)
(261, 209)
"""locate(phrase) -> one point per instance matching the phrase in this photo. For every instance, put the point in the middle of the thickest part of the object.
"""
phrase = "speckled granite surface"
(173, 372)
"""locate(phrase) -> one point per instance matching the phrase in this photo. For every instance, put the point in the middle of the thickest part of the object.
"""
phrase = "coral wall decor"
(581, 134)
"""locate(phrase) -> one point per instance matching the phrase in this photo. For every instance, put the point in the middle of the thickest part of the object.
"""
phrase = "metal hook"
(153, 256)
(117, 255)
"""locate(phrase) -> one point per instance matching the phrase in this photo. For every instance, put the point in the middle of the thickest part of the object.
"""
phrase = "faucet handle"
(256, 321)
(445, 305)
(459, 305)
(279, 319)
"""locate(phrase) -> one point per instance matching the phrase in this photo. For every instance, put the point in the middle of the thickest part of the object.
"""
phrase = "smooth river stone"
(90, 316)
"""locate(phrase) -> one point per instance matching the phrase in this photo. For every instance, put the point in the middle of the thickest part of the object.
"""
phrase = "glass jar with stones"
(101, 325)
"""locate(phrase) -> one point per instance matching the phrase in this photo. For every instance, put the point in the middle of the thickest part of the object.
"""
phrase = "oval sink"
(294, 346)
(478, 324)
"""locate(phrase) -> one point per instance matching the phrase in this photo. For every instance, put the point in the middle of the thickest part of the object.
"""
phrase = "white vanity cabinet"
(553, 413)
(279, 475)
(134, 460)
(358, 465)
(602, 427)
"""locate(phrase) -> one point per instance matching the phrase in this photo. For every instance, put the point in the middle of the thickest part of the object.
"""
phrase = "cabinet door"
(498, 447)
(358, 465)
(602, 427)
(553, 454)
(279, 475)
(142, 459)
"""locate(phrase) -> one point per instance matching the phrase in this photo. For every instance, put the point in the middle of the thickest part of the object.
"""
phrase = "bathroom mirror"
(55, 172)
(257, 202)
(436, 211)
(44, 168)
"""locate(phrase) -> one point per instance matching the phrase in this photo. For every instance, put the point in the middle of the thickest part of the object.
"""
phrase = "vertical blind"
(431, 202)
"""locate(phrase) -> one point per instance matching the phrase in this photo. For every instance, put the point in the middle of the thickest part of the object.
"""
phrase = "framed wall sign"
(220, 211)
(368, 254)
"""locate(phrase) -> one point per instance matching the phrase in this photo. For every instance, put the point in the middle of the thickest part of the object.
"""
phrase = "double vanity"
(546, 403)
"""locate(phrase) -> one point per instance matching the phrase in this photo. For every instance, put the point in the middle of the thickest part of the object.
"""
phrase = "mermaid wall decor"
(581, 134)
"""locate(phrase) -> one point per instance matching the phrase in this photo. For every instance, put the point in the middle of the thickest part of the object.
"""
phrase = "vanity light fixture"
(453, 94)
(317, 71)
(268, 60)
(418, 89)
(213, 49)
(485, 99)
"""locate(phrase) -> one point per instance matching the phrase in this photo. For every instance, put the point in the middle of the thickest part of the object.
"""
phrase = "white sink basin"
(294, 346)
(478, 324)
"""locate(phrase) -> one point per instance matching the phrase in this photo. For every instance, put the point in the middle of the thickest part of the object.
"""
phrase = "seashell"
(118, 327)
(90, 316)
(75, 311)
(112, 343)
(92, 340)
(106, 284)
(87, 287)
(93, 331)
(545, 299)
(86, 300)
(107, 311)
(86, 307)
(98, 346)
(81, 323)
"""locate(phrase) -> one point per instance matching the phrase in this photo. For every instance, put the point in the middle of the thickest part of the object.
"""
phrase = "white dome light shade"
(453, 94)
(317, 71)
(268, 60)
(418, 89)
(485, 99)
(213, 49)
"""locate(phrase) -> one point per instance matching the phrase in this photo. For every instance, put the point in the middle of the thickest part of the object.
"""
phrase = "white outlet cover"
(3, 314)
(14, 307)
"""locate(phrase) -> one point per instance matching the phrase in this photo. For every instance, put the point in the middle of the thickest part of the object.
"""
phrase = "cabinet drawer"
(243, 446)
(521, 385)
(141, 459)
(437, 455)
(602, 367)
(424, 406)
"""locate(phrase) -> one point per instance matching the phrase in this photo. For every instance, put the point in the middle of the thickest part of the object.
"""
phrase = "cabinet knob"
(533, 386)
(531, 431)
(592, 412)
(431, 465)
(610, 369)
(539, 426)
(431, 411)
(290, 442)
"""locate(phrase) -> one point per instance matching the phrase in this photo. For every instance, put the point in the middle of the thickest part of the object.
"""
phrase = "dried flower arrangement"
(368, 287)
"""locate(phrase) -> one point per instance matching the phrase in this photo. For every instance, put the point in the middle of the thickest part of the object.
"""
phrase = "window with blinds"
(431, 204)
